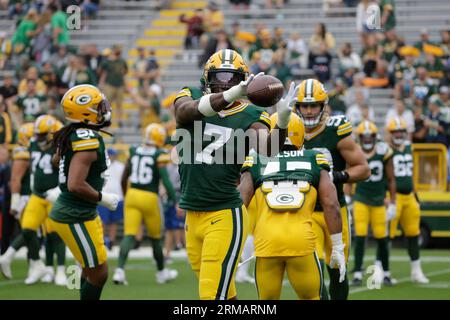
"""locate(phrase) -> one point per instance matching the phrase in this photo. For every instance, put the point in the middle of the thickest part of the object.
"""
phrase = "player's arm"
(18, 171)
(389, 169)
(162, 168)
(329, 201)
(267, 143)
(78, 172)
(246, 188)
(357, 166)
(125, 175)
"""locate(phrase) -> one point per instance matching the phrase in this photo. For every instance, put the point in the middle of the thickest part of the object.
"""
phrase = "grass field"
(142, 285)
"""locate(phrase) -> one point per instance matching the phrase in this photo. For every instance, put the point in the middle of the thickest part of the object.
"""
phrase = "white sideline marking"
(406, 279)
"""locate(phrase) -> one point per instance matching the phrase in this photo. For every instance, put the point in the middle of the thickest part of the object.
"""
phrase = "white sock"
(357, 275)
(387, 274)
(61, 269)
(10, 253)
(247, 252)
(415, 266)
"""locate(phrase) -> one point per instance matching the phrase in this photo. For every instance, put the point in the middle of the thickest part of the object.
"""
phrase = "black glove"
(340, 176)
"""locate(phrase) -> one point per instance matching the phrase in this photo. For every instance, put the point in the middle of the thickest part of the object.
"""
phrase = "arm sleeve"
(167, 184)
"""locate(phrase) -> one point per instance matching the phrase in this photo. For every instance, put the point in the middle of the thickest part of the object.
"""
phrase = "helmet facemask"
(398, 137)
(367, 141)
(104, 114)
(310, 121)
(44, 140)
(222, 80)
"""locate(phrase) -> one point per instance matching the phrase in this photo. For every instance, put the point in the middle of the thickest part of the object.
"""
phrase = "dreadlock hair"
(61, 140)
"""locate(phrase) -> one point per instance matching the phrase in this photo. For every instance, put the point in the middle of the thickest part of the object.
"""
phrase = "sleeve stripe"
(82, 142)
(85, 146)
(345, 125)
(340, 133)
(265, 120)
(163, 158)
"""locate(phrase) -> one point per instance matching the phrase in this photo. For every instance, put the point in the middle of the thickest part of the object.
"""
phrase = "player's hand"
(52, 194)
(285, 105)
(15, 203)
(337, 259)
(179, 211)
(240, 90)
(391, 211)
(109, 200)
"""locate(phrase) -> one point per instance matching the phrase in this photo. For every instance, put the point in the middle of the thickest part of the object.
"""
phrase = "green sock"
(18, 242)
(413, 248)
(125, 246)
(158, 253)
(90, 292)
(338, 290)
(82, 281)
(32, 243)
(359, 252)
(48, 245)
(59, 248)
(383, 249)
(324, 292)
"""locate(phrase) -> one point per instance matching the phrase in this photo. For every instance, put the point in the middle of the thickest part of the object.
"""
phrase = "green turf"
(142, 285)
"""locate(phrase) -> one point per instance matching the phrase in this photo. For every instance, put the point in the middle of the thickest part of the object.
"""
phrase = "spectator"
(320, 63)
(50, 78)
(297, 51)
(60, 59)
(443, 95)
(26, 30)
(363, 16)
(111, 218)
(43, 41)
(402, 112)
(6, 129)
(17, 8)
(356, 88)
(32, 74)
(61, 35)
(93, 58)
(90, 8)
(31, 104)
(405, 71)
(152, 70)
(8, 91)
(148, 102)
(370, 54)
(359, 111)
(389, 45)
(194, 29)
(387, 11)
(140, 67)
(219, 42)
(320, 37)
(445, 43)
(379, 78)
(279, 4)
(349, 63)
(84, 75)
(280, 69)
(266, 48)
(435, 124)
(424, 39)
(423, 86)
(112, 79)
(336, 98)
(445, 108)
(244, 4)
(433, 64)
(213, 19)
(278, 37)
(420, 131)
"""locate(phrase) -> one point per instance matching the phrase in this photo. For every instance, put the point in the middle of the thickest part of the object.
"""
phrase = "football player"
(408, 209)
(82, 158)
(369, 200)
(145, 168)
(216, 221)
(286, 189)
(332, 137)
(20, 191)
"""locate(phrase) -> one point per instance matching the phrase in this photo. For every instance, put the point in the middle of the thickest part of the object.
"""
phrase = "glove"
(340, 176)
(52, 194)
(337, 259)
(391, 211)
(15, 202)
(109, 200)
(240, 90)
(285, 105)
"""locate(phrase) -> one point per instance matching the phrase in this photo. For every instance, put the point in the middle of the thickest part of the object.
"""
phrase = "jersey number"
(141, 169)
(274, 166)
(43, 161)
(403, 165)
(223, 134)
(376, 169)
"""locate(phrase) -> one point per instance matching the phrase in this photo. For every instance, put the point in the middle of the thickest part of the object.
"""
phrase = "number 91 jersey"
(373, 190)
(43, 175)
(143, 164)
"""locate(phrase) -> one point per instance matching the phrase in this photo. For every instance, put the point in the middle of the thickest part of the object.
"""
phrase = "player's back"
(403, 169)
(43, 175)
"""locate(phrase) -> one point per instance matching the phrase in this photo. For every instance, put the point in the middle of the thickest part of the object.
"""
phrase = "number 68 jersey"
(403, 169)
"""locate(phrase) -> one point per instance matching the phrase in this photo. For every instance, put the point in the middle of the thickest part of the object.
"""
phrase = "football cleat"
(419, 277)
(165, 275)
(388, 281)
(119, 277)
(5, 266)
(48, 278)
(357, 279)
(37, 272)
(60, 278)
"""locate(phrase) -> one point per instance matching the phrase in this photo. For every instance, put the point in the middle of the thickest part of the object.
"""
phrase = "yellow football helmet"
(296, 130)
(25, 133)
(311, 93)
(367, 132)
(224, 69)
(155, 134)
(397, 127)
(86, 104)
(44, 128)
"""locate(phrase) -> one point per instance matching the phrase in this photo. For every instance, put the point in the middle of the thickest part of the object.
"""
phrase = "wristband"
(204, 106)
(336, 239)
(340, 176)
(231, 94)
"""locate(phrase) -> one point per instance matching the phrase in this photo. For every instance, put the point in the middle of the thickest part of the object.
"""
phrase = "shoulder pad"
(340, 123)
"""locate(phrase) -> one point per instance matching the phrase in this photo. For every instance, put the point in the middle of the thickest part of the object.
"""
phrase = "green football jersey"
(43, 175)
(403, 169)
(70, 208)
(373, 190)
(209, 166)
(300, 165)
(22, 153)
(325, 140)
(143, 164)
(31, 106)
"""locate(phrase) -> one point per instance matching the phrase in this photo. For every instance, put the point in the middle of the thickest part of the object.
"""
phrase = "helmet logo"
(83, 99)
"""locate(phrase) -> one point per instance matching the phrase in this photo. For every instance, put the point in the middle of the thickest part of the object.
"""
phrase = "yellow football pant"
(374, 215)
(214, 243)
(85, 241)
(36, 213)
(408, 214)
(323, 241)
(304, 273)
(143, 205)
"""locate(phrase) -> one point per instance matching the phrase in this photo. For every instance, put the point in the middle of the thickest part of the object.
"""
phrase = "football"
(265, 91)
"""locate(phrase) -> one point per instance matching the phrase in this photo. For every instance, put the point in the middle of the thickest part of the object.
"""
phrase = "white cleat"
(244, 277)
(419, 277)
(166, 275)
(5, 267)
(60, 278)
(49, 276)
(36, 272)
(119, 277)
